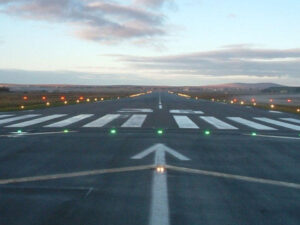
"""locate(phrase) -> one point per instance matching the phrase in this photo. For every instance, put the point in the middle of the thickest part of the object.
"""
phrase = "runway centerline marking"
(159, 212)
(135, 110)
(159, 102)
(185, 111)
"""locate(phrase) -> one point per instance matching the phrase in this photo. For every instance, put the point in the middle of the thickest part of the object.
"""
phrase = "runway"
(200, 162)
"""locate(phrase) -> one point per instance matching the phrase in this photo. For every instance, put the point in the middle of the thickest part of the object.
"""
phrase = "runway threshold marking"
(252, 124)
(278, 123)
(102, 121)
(185, 111)
(8, 120)
(159, 212)
(291, 120)
(185, 122)
(37, 121)
(219, 124)
(5, 115)
(69, 121)
(135, 120)
(135, 110)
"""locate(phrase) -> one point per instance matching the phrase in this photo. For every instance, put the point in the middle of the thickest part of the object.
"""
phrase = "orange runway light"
(44, 98)
(25, 98)
(62, 98)
(81, 98)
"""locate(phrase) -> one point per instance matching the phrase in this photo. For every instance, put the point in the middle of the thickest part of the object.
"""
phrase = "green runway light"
(207, 132)
(19, 131)
(253, 134)
(160, 132)
(66, 131)
(113, 131)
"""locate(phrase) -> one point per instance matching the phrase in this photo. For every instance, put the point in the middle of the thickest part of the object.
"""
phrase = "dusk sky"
(149, 42)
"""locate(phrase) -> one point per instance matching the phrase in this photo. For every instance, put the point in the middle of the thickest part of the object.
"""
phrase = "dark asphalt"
(125, 197)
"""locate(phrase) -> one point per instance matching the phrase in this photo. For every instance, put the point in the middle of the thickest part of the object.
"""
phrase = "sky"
(149, 42)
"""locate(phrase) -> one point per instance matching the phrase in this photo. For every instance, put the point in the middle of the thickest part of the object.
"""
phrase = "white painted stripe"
(135, 120)
(159, 214)
(3, 116)
(103, 120)
(272, 111)
(159, 102)
(134, 110)
(218, 123)
(36, 121)
(278, 123)
(185, 122)
(69, 121)
(251, 123)
(8, 120)
(185, 111)
(291, 120)
(272, 136)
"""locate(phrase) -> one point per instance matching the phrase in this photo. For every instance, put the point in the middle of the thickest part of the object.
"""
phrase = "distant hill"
(282, 90)
(260, 86)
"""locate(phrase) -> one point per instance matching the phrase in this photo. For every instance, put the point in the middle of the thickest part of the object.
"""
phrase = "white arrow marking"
(159, 214)
(160, 148)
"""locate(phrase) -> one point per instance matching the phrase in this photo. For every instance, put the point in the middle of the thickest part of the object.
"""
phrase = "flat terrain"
(81, 164)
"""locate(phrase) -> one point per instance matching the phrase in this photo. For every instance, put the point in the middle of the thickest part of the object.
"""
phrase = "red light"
(253, 100)
(289, 100)
(235, 100)
(44, 98)
(81, 97)
(271, 100)
(62, 98)
(25, 98)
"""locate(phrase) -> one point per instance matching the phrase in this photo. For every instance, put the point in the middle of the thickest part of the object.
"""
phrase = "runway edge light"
(160, 131)
(207, 132)
(113, 131)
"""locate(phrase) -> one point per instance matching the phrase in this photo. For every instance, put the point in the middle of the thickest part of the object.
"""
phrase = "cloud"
(235, 61)
(152, 3)
(101, 20)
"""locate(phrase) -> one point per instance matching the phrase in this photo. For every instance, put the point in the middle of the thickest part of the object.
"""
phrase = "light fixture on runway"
(113, 131)
(207, 132)
(160, 132)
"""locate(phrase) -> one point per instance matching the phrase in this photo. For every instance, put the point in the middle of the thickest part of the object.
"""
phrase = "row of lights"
(63, 98)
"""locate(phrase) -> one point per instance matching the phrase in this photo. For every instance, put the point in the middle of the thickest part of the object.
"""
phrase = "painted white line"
(103, 120)
(272, 111)
(185, 122)
(8, 120)
(218, 123)
(159, 214)
(134, 110)
(272, 136)
(185, 111)
(291, 120)
(159, 102)
(3, 116)
(278, 123)
(69, 121)
(36, 121)
(250, 123)
(236, 177)
(135, 120)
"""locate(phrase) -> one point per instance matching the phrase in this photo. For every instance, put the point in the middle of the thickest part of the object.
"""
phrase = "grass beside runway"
(17, 101)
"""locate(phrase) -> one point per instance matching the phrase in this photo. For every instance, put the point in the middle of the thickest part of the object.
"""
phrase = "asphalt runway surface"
(154, 159)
